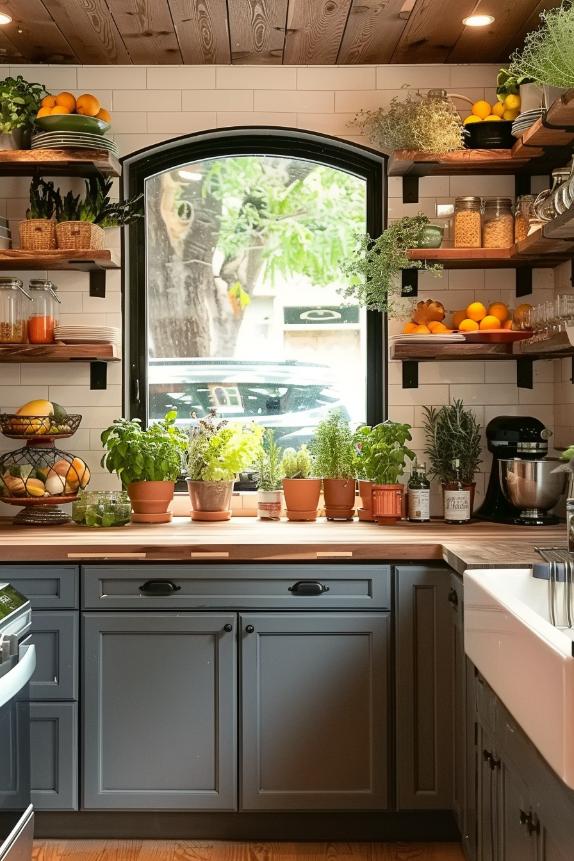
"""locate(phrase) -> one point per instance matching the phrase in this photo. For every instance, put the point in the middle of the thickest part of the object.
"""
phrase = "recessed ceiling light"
(4, 19)
(478, 20)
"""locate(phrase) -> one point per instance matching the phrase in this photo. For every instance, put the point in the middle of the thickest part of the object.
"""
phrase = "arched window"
(233, 280)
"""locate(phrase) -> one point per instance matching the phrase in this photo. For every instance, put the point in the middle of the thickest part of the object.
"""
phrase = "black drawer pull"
(308, 587)
(159, 588)
(453, 598)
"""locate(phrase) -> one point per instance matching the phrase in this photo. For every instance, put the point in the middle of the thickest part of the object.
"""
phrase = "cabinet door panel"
(314, 706)
(54, 755)
(49, 587)
(56, 638)
(517, 843)
(159, 711)
(455, 599)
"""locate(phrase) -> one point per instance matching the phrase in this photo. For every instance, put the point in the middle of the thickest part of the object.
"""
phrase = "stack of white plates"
(88, 335)
(68, 140)
(525, 120)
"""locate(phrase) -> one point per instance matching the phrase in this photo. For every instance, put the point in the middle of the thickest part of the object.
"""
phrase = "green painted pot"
(432, 236)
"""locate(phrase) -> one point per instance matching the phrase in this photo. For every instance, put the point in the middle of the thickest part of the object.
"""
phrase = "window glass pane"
(244, 314)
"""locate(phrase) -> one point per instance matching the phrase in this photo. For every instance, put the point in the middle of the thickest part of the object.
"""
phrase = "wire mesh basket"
(15, 426)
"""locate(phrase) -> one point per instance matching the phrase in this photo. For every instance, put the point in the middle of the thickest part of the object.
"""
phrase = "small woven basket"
(79, 235)
(37, 234)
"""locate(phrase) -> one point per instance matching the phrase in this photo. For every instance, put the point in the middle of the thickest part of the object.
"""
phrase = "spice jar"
(43, 316)
(498, 223)
(467, 222)
(13, 311)
(545, 204)
(523, 215)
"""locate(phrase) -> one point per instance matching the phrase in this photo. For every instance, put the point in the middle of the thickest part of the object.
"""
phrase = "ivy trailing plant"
(374, 270)
(547, 56)
(218, 450)
(333, 447)
(269, 464)
(19, 103)
(382, 451)
(452, 433)
(155, 453)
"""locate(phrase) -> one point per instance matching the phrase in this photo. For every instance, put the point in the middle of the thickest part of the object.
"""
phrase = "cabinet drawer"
(54, 755)
(49, 587)
(355, 587)
(55, 636)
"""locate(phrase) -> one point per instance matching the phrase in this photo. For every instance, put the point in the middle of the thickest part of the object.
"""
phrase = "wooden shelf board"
(23, 353)
(537, 251)
(561, 115)
(561, 227)
(466, 161)
(84, 261)
(58, 162)
(444, 352)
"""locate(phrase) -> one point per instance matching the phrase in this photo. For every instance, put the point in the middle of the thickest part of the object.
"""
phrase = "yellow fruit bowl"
(72, 123)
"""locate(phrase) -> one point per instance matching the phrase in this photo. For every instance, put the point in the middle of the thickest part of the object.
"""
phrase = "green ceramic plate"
(72, 123)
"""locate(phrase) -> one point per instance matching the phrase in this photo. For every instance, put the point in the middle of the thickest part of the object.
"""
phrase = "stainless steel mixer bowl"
(531, 484)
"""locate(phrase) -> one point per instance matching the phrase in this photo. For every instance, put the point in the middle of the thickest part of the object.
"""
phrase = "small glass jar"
(523, 215)
(467, 222)
(43, 316)
(102, 508)
(498, 223)
(545, 203)
(13, 311)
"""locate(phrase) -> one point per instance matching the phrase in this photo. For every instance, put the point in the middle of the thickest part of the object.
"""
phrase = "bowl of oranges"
(66, 113)
(490, 126)
(477, 322)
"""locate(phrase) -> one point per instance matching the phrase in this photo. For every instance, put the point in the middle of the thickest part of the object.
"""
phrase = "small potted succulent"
(147, 462)
(269, 475)
(19, 103)
(383, 456)
(38, 231)
(217, 452)
(333, 450)
(301, 491)
(453, 433)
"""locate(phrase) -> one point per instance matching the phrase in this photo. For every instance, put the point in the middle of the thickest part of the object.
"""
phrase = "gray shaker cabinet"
(55, 635)
(314, 711)
(159, 706)
(54, 747)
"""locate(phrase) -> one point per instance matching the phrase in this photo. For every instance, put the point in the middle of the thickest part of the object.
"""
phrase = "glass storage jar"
(13, 311)
(102, 508)
(467, 222)
(498, 223)
(523, 215)
(43, 316)
(545, 203)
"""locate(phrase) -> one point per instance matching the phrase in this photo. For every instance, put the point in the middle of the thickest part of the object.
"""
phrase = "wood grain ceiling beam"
(257, 31)
(147, 30)
(315, 30)
(432, 31)
(490, 44)
(373, 31)
(528, 23)
(90, 27)
(34, 35)
(202, 30)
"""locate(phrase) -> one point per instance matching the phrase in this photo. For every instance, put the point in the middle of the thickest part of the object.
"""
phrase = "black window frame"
(254, 140)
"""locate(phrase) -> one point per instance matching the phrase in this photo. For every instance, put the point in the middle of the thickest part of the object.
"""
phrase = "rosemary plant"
(269, 463)
(333, 447)
(452, 432)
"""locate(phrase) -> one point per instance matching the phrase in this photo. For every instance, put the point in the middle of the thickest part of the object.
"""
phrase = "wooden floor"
(155, 850)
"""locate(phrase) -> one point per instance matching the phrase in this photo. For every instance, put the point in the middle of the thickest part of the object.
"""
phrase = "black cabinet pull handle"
(308, 587)
(249, 629)
(228, 627)
(531, 822)
(159, 588)
(453, 598)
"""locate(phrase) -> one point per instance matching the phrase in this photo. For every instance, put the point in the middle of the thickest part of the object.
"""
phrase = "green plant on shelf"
(547, 56)
(452, 432)
(269, 463)
(333, 447)
(219, 451)
(297, 463)
(19, 103)
(43, 200)
(155, 453)
(382, 451)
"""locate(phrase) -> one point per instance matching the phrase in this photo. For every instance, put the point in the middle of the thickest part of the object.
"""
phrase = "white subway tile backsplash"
(306, 101)
(13, 397)
(181, 122)
(114, 77)
(257, 78)
(9, 375)
(147, 100)
(336, 78)
(218, 100)
(54, 78)
(228, 119)
(181, 77)
(76, 397)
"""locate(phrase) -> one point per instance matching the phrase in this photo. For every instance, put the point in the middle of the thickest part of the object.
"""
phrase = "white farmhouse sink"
(524, 658)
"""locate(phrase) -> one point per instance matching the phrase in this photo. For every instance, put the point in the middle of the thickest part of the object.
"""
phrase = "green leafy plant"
(153, 454)
(96, 206)
(333, 447)
(374, 270)
(509, 84)
(452, 433)
(427, 123)
(44, 199)
(218, 451)
(297, 463)
(547, 56)
(382, 451)
(269, 463)
(19, 103)
(568, 454)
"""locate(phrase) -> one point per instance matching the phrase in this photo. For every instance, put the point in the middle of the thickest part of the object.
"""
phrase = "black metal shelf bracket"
(409, 283)
(98, 375)
(525, 372)
(410, 188)
(523, 281)
(410, 375)
(98, 283)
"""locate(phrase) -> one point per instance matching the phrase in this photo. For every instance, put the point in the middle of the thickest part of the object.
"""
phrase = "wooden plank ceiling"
(263, 31)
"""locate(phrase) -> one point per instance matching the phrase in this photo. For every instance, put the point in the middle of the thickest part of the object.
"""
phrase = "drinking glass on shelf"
(565, 307)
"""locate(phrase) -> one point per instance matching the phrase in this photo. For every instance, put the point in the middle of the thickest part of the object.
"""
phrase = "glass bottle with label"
(456, 498)
(419, 495)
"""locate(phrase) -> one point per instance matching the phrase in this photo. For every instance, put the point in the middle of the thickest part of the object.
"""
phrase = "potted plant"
(147, 462)
(453, 433)
(301, 491)
(508, 84)
(383, 459)
(546, 55)
(269, 475)
(38, 231)
(334, 455)
(81, 223)
(217, 452)
(374, 270)
(365, 483)
(19, 103)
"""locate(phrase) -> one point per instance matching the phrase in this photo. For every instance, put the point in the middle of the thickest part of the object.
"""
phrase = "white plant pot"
(550, 94)
(12, 140)
(531, 97)
(269, 504)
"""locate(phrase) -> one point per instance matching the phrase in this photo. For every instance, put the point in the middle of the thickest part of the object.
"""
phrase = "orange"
(88, 105)
(500, 310)
(66, 100)
(59, 109)
(409, 328)
(476, 311)
(104, 115)
(508, 324)
(468, 325)
(48, 102)
(490, 322)
(458, 317)
(422, 330)
(44, 112)
(436, 326)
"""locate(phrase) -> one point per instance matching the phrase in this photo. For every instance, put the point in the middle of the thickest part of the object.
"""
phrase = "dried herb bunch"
(547, 55)
(452, 433)
(422, 122)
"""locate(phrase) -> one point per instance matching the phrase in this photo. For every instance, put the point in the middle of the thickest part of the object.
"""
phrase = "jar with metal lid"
(467, 222)
(545, 206)
(523, 216)
(43, 316)
(13, 311)
(498, 223)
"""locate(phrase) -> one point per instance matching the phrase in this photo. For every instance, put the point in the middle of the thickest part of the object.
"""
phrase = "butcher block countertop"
(244, 539)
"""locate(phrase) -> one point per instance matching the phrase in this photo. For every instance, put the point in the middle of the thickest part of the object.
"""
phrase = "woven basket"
(79, 235)
(37, 234)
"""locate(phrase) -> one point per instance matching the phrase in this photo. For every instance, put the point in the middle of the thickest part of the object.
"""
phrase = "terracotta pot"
(339, 496)
(388, 502)
(302, 497)
(366, 494)
(150, 501)
(471, 487)
(210, 500)
(269, 504)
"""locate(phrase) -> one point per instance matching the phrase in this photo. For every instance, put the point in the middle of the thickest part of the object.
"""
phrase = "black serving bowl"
(489, 135)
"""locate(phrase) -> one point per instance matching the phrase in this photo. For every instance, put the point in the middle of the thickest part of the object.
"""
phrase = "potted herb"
(38, 231)
(19, 103)
(508, 84)
(301, 491)
(334, 455)
(383, 456)
(269, 475)
(453, 433)
(546, 55)
(217, 452)
(374, 271)
(361, 441)
(147, 462)
(81, 222)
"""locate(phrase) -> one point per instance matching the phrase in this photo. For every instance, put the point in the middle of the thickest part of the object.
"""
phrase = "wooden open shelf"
(19, 353)
(58, 162)
(554, 348)
(554, 130)
(82, 261)
(536, 251)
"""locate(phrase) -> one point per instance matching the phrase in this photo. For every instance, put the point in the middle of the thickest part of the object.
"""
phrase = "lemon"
(481, 109)
(472, 118)
(512, 102)
(509, 115)
(498, 109)
(492, 118)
